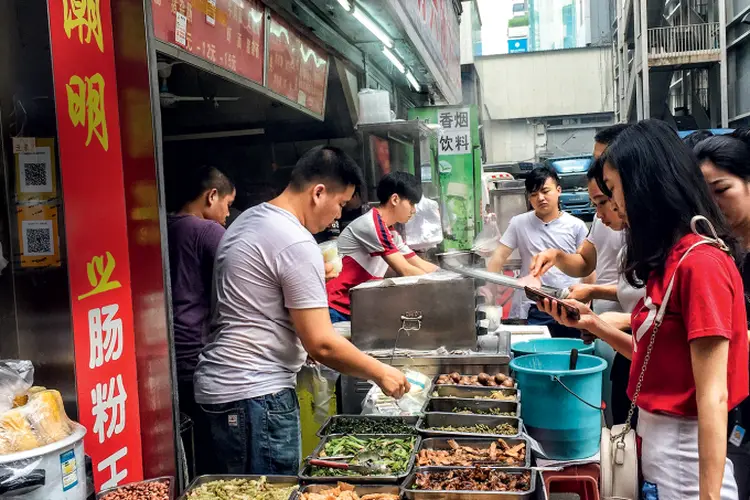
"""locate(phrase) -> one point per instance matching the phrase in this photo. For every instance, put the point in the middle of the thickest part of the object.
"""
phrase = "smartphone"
(538, 296)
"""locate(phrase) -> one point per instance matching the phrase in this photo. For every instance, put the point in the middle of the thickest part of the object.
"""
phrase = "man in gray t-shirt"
(270, 312)
(546, 226)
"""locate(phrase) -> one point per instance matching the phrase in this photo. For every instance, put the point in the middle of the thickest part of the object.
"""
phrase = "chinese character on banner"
(86, 106)
(84, 15)
(110, 463)
(445, 118)
(99, 273)
(446, 144)
(462, 119)
(108, 405)
(105, 336)
(462, 143)
(455, 136)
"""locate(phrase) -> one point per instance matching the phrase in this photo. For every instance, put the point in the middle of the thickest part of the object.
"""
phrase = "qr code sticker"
(37, 238)
(35, 171)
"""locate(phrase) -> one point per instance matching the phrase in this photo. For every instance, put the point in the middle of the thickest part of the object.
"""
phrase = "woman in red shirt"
(697, 367)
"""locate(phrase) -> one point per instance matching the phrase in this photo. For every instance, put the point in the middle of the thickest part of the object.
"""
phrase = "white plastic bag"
(488, 239)
(330, 250)
(425, 230)
(377, 403)
(16, 377)
(320, 382)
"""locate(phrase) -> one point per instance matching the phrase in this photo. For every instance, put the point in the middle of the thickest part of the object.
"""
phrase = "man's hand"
(543, 262)
(393, 382)
(581, 292)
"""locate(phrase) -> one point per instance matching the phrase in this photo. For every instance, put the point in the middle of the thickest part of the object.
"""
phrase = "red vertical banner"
(91, 168)
(284, 57)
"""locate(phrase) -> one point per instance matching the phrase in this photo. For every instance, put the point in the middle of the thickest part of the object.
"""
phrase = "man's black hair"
(204, 179)
(609, 134)
(326, 165)
(693, 139)
(539, 176)
(595, 169)
(401, 183)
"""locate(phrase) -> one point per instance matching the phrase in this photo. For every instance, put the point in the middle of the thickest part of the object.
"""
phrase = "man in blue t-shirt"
(194, 234)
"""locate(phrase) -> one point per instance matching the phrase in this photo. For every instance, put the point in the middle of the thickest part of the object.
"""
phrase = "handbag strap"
(713, 240)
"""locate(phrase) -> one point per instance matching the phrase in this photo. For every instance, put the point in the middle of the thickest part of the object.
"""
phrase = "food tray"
(162, 479)
(207, 478)
(436, 385)
(323, 431)
(359, 489)
(446, 405)
(411, 494)
(441, 443)
(458, 420)
(306, 478)
(471, 392)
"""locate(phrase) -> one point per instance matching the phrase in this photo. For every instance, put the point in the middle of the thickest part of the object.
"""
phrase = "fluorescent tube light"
(413, 81)
(368, 23)
(392, 57)
(346, 4)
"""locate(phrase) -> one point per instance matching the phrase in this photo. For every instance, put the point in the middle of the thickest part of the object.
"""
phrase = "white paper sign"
(455, 134)
(180, 29)
(211, 12)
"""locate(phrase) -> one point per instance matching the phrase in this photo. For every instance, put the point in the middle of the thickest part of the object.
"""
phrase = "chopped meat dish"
(345, 491)
(476, 479)
(498, 453)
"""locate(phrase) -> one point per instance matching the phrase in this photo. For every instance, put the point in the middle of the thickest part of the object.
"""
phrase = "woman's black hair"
(696, 137)
(663, 189)
(730, 153)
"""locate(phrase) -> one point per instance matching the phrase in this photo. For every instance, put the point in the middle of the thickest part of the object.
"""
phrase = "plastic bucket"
(561, 407)
(545, 345)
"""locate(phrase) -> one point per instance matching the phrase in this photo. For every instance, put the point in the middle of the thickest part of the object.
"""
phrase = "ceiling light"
(392, 57)
(346, 4)
(413, 81)
(368, 23)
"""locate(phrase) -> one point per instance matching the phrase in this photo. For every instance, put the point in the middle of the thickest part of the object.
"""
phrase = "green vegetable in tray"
(489, 411)
(350, 425)
(502, 429)
(394, 453)
(241, 489)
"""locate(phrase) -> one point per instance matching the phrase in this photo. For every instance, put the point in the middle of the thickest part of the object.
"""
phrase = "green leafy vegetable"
(352, 425)
(394, 453)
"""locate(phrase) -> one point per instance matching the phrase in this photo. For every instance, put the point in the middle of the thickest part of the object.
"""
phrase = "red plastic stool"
(580, 479)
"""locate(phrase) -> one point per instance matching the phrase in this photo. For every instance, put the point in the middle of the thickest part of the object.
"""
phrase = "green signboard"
(460, 171)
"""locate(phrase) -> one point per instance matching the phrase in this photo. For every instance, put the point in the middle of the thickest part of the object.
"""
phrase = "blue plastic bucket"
(561, 407)
(540, 346)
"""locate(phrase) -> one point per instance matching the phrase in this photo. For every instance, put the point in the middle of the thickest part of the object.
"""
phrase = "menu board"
(228, 33)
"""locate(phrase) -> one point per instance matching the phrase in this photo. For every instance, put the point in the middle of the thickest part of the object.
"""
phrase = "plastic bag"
(330, 251)
(39, 421)
(425, 230)
(16, 377)
(377, 403)
(488, 239)
(320, 382)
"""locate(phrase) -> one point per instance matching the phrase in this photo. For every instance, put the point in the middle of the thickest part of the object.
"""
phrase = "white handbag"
(618, 451)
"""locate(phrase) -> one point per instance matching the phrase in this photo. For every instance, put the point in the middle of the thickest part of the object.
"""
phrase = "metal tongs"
(367, 464)
(452, 264)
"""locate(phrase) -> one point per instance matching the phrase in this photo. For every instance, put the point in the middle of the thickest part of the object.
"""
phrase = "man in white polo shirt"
(546, 226)
(270, 312)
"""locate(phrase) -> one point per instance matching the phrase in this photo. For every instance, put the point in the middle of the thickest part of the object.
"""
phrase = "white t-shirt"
(608, 244)
(266, 264)
(530, 236)
(626, 294)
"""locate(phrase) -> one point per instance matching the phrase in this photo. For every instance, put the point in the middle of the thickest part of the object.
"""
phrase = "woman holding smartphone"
(725, 163)
(697, 358)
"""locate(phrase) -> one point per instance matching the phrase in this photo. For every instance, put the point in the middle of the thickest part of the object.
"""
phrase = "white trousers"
(669, 457)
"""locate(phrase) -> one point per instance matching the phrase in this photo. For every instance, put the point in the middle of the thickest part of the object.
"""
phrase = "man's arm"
(422, 264)
(323, 344)
(498, 259)
(577, 265)
(403, 267)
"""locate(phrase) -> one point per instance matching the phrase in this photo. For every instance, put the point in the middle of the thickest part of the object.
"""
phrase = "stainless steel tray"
(412, 494)
(471, 392)
(163, 479)
(447, 405)
(459, 420)
(323, 431)
(283, 481)
(441, 443)
(305, 468)
(496, 387)
(360, 489)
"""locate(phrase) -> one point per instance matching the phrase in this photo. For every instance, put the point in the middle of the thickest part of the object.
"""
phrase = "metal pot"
(454, 258)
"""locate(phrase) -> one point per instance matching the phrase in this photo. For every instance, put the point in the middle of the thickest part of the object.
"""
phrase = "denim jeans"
(337, 317)
(556, 330)
(256, 436)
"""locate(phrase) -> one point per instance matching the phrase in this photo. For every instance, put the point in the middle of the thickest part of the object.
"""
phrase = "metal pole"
(646, 92)
(723, 70)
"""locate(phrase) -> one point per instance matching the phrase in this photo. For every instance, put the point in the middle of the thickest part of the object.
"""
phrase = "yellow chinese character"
(84, 14)
(86, 106)
(99, 274)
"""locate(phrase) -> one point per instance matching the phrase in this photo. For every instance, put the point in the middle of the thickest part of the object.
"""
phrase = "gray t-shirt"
(266, 264)
(608, 244)
(530, 236)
